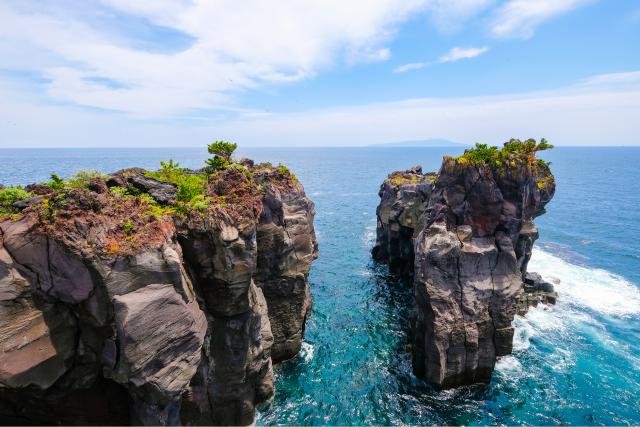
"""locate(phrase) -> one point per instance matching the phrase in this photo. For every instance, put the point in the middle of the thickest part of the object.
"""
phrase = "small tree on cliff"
(222, 151)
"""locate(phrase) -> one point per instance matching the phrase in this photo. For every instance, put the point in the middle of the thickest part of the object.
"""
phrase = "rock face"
(286, 247)
(403, 198)
(470, 265)
(113, 313)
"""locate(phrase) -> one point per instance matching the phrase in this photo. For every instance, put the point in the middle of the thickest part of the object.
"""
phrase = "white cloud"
(409, 67)
(519, 18)
(458, 53)
(631, 77)
(603, 110)
(237, 45)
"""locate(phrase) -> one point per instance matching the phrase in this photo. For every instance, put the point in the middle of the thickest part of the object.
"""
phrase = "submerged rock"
(117, 307)
(471, 257)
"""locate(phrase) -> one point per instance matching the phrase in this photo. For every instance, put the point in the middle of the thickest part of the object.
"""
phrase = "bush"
(10, 195)
(56, 183)
(217, 164)
(190, 187)
(513, 152)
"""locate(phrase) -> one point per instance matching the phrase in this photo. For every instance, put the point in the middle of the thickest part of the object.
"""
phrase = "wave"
(596, 289)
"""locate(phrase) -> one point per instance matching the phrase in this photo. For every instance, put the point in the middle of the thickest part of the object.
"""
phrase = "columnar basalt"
(120, 305)
(400, 218)
(286, 247)
(471, 261)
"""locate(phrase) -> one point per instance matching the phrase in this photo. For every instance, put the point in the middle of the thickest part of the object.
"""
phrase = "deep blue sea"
(575, 363)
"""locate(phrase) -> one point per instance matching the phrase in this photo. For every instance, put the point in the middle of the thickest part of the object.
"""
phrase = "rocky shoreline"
(463, 237)
(159, 298)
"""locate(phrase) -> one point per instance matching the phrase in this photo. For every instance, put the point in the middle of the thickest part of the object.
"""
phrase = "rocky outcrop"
(286, 247)
(121, 306)
(470, 262)
(400, 218)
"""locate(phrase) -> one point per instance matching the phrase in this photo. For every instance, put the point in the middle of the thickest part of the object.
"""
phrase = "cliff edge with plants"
(157, 297)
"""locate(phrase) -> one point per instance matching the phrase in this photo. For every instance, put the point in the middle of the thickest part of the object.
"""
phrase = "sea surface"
(574, 363)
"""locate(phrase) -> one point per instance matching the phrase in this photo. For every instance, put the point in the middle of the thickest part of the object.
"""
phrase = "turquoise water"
(575, 363)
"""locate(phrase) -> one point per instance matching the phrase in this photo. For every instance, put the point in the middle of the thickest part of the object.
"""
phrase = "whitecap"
(597, 289)
(306, 352)
(509, 365)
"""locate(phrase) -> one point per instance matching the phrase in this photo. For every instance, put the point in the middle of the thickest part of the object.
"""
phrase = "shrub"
(216, 164)
(10, 195)
(189, 187)
(285, 170)
(512, 153)
(56, 183)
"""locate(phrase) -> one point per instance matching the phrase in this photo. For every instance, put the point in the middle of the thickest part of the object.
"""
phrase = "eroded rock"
(113, 313)
(471, 258)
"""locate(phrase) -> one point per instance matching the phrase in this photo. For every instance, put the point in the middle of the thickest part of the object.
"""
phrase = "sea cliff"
(159, 298)
(466, 241)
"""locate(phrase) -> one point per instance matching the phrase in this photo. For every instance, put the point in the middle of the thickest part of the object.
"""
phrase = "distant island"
(422, 143)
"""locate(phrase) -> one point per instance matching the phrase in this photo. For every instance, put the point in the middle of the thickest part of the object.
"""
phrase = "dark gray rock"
(286, 247)
(400, 218)
(162, 192)
(39, 189)
(23, 204)
(469, 236)
(468, 272)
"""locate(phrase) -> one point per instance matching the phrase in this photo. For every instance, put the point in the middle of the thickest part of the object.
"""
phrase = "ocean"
(577, 362)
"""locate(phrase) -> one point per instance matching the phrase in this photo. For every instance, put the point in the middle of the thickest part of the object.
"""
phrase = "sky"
(122, 73)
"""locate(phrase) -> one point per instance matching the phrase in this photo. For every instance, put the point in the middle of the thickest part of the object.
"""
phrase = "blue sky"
(183, 72)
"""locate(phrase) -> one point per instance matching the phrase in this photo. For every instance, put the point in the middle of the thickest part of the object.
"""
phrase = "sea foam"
(597, 289)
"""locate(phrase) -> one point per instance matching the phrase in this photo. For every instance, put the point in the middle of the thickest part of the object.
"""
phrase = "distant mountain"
(422, 143)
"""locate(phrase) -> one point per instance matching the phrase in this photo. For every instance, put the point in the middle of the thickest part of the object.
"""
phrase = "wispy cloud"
(458, 53)
(450, 15)
(519, 18)
(630, 77)
(235, 46)
(606, 107)
(409, 67)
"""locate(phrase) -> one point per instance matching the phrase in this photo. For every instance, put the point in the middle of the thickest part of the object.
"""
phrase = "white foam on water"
(523, 331)
(509, 365)
(369, 236)
(597, 289)
(306, 352)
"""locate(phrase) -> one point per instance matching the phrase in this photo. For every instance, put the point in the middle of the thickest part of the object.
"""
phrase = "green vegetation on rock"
(222, 151)
(10, 195)
(512, 153)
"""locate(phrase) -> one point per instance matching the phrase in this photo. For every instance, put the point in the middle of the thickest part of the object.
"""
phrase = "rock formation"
(471, 257)
(400, 218)
(122, 303)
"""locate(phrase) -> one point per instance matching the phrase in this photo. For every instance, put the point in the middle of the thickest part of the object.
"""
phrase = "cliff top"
(515, 158)
(409, 176)
(134, 208)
